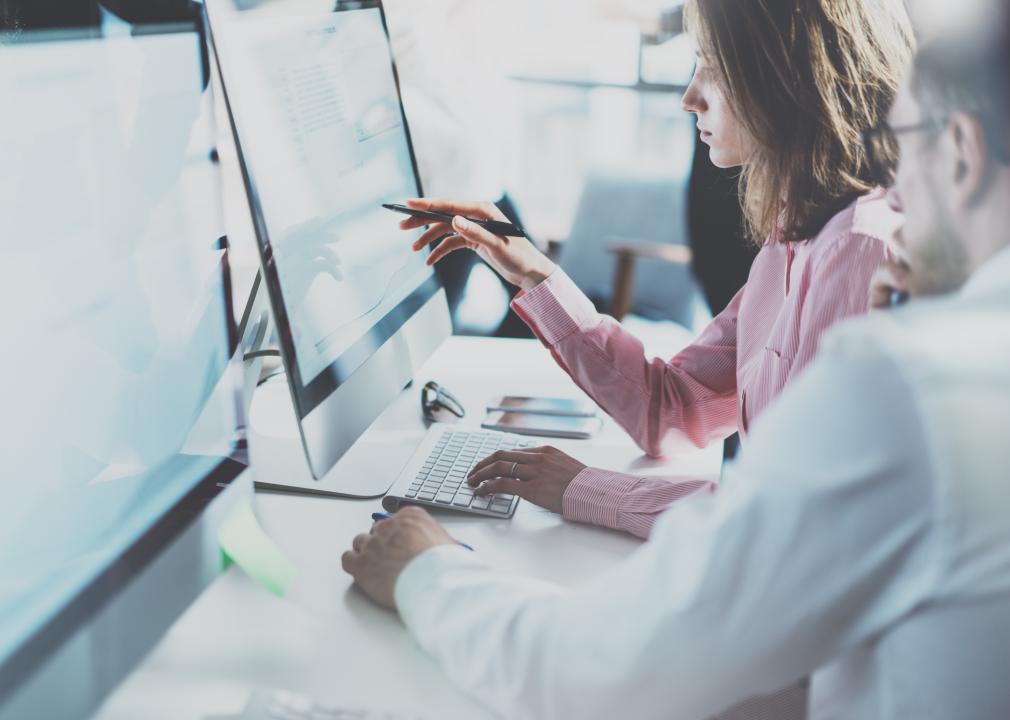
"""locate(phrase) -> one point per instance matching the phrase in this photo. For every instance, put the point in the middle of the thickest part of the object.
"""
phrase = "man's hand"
(376, 559)
(540, 475)
(890, 282)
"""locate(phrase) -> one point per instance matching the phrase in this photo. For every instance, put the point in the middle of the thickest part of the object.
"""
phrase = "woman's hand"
(540, 475)
(515, 259)
(889, 283)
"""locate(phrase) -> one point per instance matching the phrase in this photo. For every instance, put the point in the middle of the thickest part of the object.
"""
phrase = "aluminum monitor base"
(278, 457)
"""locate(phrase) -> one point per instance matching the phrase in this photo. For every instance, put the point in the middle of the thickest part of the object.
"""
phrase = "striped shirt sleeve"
(624, 502)
(692, 397)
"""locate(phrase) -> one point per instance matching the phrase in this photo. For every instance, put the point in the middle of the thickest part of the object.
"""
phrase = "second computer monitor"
(324, 142)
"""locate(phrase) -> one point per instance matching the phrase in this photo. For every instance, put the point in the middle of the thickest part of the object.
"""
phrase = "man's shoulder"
(929, 339)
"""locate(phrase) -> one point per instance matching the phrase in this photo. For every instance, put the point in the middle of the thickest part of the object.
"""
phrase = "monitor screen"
(322, 133)
(118, 399)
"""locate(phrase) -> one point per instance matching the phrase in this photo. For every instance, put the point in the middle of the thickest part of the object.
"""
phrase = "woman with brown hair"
(782, 90)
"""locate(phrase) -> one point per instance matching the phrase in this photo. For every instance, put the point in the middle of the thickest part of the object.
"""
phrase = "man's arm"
(819, 538)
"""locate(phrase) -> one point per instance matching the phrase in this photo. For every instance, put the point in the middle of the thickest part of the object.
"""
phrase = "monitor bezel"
(41, 645)
(308, 397)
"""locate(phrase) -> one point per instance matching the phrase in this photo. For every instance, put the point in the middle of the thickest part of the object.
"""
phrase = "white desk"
(325, 639)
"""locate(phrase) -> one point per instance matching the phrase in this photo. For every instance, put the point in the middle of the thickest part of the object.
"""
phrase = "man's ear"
(971, 163)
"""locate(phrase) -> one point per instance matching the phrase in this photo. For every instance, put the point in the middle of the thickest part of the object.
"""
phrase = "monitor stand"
(277, 456)
(273, 443)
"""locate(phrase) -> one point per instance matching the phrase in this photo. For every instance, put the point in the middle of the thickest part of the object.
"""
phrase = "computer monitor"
(119, 388)
(323, 139)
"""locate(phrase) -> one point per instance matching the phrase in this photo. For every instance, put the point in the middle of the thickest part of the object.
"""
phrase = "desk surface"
(324, 638)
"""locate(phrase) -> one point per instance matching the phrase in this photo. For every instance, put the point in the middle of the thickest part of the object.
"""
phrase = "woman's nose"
(692, 102)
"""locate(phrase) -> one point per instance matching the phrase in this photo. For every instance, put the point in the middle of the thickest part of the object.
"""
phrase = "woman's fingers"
(503, 485)
(474, 232)
(889, 279)
(468, 235)
(413, 222)
(506, 464)
(449, 245)
(501, 469)
(437, 231)
(481, 211)
(510, 456)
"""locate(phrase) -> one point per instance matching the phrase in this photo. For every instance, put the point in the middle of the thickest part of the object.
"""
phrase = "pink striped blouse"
(723, 381)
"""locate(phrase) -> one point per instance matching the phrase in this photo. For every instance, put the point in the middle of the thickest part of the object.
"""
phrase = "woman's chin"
(723, 159)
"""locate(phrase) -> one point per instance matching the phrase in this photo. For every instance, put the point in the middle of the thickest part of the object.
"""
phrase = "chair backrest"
(621, 207)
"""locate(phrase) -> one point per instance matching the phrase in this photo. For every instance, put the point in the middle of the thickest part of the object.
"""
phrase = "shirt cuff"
(555, 308)
(595, 496)
(416, 580)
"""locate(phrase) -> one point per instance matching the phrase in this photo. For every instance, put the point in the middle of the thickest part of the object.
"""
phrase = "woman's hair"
(804, 78)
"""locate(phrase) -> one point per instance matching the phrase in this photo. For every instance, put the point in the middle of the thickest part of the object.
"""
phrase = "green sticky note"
(244, 543)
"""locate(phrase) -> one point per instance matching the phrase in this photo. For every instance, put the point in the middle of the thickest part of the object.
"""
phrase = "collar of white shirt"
(993, 274)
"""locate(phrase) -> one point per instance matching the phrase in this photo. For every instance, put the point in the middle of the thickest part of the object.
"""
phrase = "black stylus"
(494, 226)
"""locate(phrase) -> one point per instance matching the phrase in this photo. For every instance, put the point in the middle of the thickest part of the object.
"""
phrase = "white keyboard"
(436, 473)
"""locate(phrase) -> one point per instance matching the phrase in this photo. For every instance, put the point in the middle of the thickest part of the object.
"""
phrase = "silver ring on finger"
(512, 473)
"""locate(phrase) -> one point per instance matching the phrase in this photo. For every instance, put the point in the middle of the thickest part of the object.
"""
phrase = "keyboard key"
(441, 478)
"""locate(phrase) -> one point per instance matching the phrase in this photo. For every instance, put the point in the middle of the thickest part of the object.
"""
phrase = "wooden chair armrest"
(627, 253)
(673, 254)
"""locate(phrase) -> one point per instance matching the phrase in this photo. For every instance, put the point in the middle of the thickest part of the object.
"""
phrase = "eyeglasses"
(435, 399)
(881, 145)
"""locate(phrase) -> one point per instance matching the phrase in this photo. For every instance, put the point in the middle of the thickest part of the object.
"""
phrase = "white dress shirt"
(863, 537)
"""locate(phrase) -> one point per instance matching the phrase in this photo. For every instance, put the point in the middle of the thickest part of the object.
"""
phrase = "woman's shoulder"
(866, 227)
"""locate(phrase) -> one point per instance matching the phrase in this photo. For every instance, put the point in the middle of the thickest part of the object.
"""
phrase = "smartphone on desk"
(542, 406)
(560, 426)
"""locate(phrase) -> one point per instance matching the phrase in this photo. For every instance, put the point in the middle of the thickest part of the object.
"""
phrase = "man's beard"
(939, 261)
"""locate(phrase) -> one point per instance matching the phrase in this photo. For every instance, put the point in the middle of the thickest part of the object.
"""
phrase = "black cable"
(261, 354)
